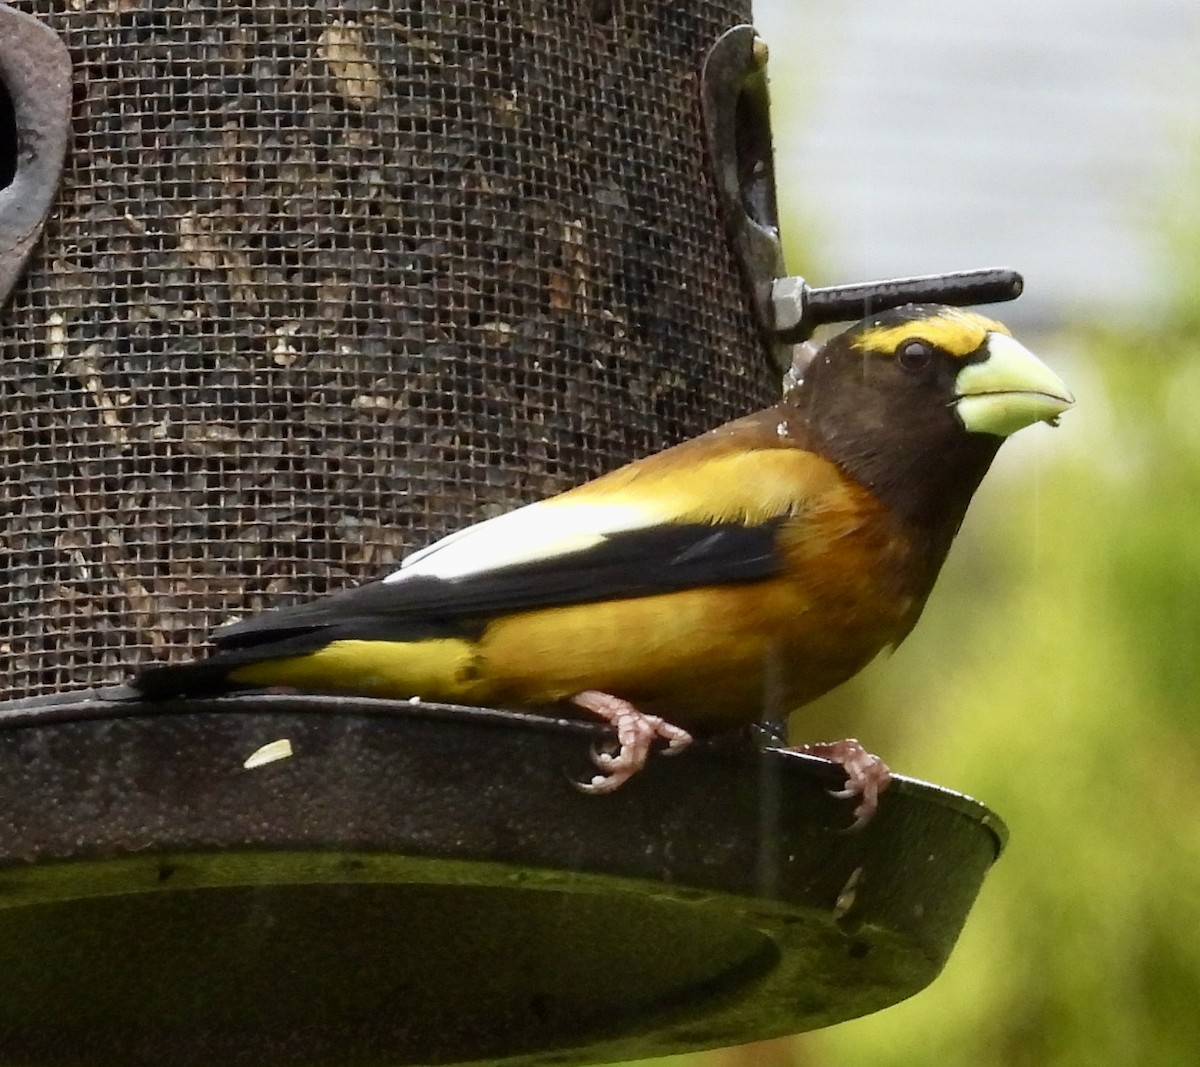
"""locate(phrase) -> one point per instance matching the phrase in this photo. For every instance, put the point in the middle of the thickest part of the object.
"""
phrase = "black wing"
(642, 562)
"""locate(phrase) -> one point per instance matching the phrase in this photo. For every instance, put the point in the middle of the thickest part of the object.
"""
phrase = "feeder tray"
(420, 884)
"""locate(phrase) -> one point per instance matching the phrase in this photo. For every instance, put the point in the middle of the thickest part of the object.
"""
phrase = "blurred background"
(1055, 673)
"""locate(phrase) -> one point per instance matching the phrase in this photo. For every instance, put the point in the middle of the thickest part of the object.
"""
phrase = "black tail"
(203, 678)
(209, 677)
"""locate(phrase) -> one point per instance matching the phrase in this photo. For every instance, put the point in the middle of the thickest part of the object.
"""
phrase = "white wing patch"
(540, 531)
(753, 486)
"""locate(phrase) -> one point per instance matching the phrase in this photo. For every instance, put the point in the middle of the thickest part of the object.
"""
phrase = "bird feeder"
(314, 284)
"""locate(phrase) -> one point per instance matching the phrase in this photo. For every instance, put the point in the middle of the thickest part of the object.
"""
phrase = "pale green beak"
(1010, 389)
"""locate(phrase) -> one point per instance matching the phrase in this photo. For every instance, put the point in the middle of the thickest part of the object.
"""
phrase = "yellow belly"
(706, 659)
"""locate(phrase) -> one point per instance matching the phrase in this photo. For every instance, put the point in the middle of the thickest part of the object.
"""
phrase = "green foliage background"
(1055, 676)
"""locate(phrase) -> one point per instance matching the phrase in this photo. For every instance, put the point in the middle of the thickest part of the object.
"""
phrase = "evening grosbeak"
(731, 578)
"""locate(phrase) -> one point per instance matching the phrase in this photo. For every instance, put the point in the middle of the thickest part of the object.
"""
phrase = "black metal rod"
(838, 303)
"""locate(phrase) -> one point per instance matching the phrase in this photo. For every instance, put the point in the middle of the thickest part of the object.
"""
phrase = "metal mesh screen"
(326, 281)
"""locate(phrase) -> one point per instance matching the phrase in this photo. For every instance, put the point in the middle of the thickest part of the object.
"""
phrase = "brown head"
(914, 403)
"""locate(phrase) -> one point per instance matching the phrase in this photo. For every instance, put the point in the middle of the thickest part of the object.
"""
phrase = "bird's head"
(914, 403)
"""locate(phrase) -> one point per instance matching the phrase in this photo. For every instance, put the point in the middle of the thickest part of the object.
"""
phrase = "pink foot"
(636, 732)
(866, 775)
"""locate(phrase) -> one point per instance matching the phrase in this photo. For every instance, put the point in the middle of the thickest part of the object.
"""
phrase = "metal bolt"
(787, 300)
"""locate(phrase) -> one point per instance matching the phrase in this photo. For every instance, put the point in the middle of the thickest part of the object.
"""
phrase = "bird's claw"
(636, 733)
(867, 776)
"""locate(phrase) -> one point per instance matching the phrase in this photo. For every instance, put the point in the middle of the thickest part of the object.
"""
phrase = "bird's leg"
(636, 732)
(866, 775)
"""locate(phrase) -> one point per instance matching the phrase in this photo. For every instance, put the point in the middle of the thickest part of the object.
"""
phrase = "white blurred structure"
(915, 136)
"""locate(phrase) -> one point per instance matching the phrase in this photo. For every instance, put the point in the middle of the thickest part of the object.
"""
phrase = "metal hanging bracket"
(737, 120)
(788, 309)
(35, 116)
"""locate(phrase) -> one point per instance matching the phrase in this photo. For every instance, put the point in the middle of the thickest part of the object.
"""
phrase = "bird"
(734, 577)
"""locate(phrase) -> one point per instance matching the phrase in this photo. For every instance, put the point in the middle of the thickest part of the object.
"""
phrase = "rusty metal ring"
(35, 83)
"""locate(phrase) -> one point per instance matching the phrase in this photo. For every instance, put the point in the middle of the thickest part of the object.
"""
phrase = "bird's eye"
(914, 355)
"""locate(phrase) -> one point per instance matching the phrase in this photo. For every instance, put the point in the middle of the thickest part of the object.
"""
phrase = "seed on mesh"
(343, 47)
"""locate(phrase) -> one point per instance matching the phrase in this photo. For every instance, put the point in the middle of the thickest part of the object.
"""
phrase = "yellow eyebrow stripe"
(955, 331)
